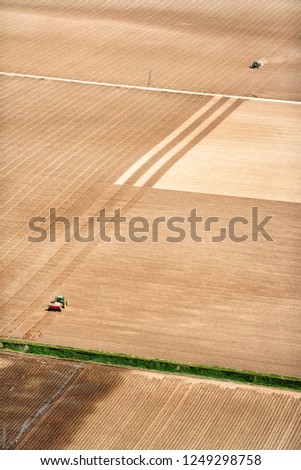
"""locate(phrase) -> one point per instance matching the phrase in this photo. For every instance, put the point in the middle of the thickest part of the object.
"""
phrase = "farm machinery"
(57, 304)
(255, 65)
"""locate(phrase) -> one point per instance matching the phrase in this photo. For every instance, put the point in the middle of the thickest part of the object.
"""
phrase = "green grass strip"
(124, 360)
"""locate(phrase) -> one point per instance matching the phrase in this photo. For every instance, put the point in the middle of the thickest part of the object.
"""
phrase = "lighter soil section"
(254, 154)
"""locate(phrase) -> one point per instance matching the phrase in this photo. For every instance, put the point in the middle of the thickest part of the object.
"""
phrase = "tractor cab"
(61, 299)
(255, 65)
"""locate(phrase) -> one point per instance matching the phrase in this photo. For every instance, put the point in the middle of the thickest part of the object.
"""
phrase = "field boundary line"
(145, 88)
(159, 365)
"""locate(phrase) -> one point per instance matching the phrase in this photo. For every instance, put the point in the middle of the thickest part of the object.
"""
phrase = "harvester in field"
(57, 304)
(255, 64)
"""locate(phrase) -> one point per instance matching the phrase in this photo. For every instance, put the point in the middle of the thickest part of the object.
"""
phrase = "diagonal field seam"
(155, 178)
(122, 192)
(210, 116)
(112, 162)
(112, 189)
(204, 133)
(168, 147)
(161, 145)
(46, 320)
(112, 170)
(206, 100)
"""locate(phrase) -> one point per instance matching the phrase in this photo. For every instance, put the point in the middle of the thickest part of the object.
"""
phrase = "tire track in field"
(120, 194)
(41, 411)
(105, 180)
(116, 165)
(27, 99)
(39, 122)
(213, 414)
(121, 17)
(166, 144)
(272, 410)
(176, 141)
(115, 34)
(103, 131)
(244, 408)
(162, 421)
(233, 21)
(38, 381)
(52, 116)
(244, 18)
(251, 90)
(204, 133)
(62, 43)
(118, 120)
(221, 74)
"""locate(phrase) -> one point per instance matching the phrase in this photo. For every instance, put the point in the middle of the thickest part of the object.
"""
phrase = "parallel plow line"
(111, 159)
(249, 54)
(119, 195)
(104, 187)
(56, 160)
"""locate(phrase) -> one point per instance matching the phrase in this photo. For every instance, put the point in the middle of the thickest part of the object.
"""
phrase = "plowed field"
(28, 387)
(79, 148)
(229, 304)
(110, 408)
(194, 45)
(76, 148)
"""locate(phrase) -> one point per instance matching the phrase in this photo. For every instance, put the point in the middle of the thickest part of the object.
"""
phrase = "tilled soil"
(112, 408)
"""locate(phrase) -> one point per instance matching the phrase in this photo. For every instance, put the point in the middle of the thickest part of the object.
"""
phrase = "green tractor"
(255, 65)
(61, 299)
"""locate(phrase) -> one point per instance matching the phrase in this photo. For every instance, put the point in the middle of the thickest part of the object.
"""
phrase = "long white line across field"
(140, 87)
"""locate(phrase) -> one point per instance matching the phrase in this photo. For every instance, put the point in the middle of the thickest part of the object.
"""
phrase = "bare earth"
(80, 148)
(201, 46)
(228, 304)
(101, 407)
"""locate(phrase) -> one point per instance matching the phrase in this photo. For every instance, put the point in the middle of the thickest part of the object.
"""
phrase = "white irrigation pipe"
(140, 87)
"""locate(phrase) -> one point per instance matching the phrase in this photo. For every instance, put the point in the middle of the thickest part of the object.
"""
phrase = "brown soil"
(27, 384)
(68, 146)
(112, 408)
(201, 46)
(229, 304)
